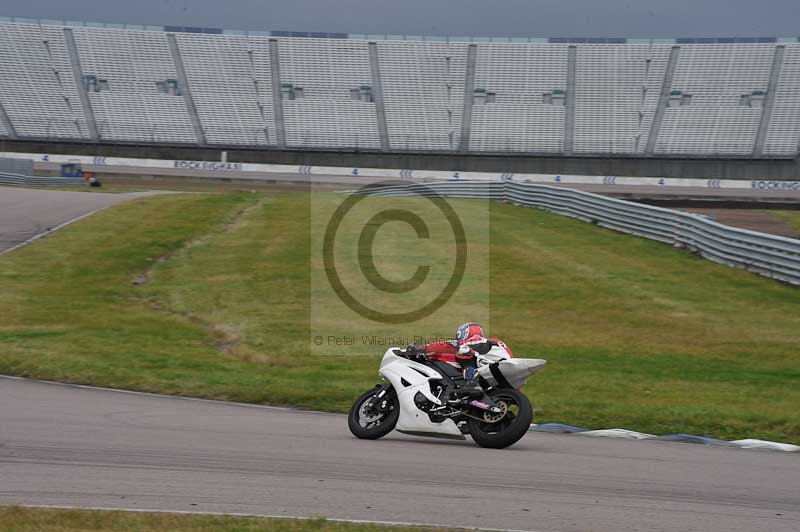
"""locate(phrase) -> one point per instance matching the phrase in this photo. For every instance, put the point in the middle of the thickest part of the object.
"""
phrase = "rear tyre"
(375, 421)
(510, 428)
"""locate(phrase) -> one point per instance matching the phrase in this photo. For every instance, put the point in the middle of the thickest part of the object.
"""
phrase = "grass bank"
(19, 519)
(792, 217)
(637, 334)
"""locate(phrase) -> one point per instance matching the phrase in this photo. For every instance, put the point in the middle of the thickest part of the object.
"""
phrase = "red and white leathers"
(448, 351)
(469, 342)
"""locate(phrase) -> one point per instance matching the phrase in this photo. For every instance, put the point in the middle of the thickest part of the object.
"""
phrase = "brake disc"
(494, 417)
(366, 418)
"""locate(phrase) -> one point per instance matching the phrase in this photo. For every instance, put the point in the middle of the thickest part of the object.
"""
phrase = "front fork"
(379, 401)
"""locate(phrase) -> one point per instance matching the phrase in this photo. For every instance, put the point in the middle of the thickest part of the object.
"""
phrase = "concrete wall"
(770, 169)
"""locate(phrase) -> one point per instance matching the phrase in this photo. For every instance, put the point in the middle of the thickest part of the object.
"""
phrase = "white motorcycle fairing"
(514, 370)
(409, 378)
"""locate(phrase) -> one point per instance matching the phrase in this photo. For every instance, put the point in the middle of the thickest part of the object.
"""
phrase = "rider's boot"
(471, 388)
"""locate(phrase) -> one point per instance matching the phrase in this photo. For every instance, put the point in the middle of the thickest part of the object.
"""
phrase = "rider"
(461, 352)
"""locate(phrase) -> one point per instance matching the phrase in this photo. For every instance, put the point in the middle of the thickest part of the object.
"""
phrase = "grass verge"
(638, 335)
(792, 217)
(19, 519)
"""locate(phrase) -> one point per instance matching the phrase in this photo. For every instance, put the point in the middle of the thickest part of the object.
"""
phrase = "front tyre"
(498, 431)
(370, 420)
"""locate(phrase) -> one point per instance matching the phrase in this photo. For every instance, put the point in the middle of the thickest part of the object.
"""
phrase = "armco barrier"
(35, 181)
(768, 255)
(12, 179)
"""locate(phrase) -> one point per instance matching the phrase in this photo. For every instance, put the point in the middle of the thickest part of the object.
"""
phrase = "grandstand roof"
(403, 37)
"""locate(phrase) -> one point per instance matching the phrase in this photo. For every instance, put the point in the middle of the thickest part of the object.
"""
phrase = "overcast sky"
(531, 18)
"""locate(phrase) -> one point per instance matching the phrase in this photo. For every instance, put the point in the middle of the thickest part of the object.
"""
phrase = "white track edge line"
(269, 516)
(70, 221)
(165, 396)
(52, 230)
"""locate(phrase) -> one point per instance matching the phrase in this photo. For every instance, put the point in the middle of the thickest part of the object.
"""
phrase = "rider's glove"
(415, 352)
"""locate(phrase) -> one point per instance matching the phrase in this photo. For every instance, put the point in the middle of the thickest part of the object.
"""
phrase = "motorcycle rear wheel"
(508, 430)
(368, 425)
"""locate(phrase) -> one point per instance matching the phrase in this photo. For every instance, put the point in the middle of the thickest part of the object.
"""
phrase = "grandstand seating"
(518, 120)
(37, 87)
(133, 62)
(716, 76)
(782, 134)
(423, 89)
(695, 97)
(326, 115)
(230, 83)
(617, 91)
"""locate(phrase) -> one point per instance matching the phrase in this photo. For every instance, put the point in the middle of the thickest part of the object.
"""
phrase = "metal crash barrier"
(768, 255)
(36, 181)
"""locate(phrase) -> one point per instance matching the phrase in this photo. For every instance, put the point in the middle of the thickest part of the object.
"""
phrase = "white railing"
(768, 255)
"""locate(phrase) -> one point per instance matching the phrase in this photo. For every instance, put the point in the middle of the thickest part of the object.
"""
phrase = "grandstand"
(737, 98)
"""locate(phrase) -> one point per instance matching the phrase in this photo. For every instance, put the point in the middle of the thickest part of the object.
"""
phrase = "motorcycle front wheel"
(370, 422)
(498, 431)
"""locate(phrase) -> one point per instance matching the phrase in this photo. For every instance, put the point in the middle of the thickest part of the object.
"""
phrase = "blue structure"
(71, 170)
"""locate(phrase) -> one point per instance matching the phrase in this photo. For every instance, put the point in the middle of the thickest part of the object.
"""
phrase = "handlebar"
(405, 354)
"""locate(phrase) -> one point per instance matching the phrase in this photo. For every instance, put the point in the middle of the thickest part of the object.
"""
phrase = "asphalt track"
(69, 446)
(26, 213)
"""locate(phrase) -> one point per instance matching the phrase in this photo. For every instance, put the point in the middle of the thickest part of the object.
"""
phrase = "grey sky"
(534, 18)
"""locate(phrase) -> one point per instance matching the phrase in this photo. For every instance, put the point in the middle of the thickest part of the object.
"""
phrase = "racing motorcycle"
(425, 397)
